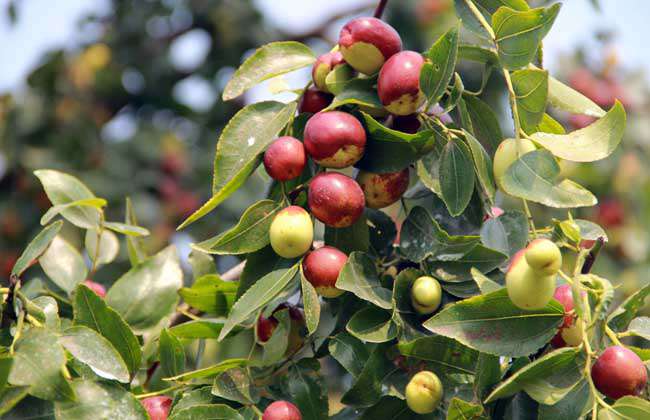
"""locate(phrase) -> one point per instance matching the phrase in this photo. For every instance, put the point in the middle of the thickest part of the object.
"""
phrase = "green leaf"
(486, 284)
(594, 142)
(6, 362)
(492, 324)
(359, 276)
(239, 148)
(201, 264)
(63, 189)
(549, 125)
(531, 91)
(209, 371)
(439, 67)
(532, 374)
(210, 294)
(480, 257)
(311, 304)
(235, 385)
(389, 150)
(337, 79)
(249, 235)
(477, 53)
(507, 233)
(99, 400)
(462, 410)
(357, 92)
(620, 317)
(38, 360)
(393, 408)
(367, 387)
(445, 354)
(482, 165)
(349, 351)
(372, 325)
(484, 123)
(258, 295)
(640, 327)
(488, 373)
(270, 60)
(198, 328)
(134, 245)
(627, 408)
(575, 404)
(148, 292)
(126, 229)
(53, 211)
(277, 345)
(109, 246)
(428, 168)
(207, 411)
(421, 237)
(456, 176)
(518, 33)
(98, 353)
(172, 354)
(91, 311)
(455, 94)
(260, 263)
(11, 396)
(308, 391)
(534, 177)
(36, 247)
(567, 99)
(382, 231)
(348, 239)
(63, 264)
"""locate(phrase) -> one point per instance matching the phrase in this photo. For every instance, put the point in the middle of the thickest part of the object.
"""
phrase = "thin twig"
(593, 254)
(379, 11)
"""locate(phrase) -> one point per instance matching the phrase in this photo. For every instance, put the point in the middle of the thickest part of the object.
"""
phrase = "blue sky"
(42, 27)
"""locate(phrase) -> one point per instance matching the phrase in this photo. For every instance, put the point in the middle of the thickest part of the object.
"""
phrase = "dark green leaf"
(235, 385)
(36, 247)
(445, 354)
(97, 400)
(619, 319)
(372, 325)
(210, 371)
(308, 391)
(367, 387)
(480, 257)
(531, 91)
(311, 304)
(171, 353)
(351, 238)
(456, 176)
(359, 276)
(199, 328)
(507, 233)
(349, 351)
(485, 125)
(482, 165)
(439, 67)
(462, 410)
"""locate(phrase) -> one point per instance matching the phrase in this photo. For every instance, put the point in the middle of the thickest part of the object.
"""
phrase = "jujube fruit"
(323, 66)
(398, 85)
(157, 407)
(334, 139)
(281, 410)
(313, 101)
(543, 256)
(291, 232)
(285, 158)
(382, 190)
(570, 332)
(367, 42)
(528, 289)
(322, 267)
(618, 372)
(424, 392)
(426, 295)
(335, 199)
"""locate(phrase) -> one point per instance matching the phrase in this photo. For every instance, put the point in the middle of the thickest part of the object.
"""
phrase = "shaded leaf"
(210, 294)
(372, 325)
(359, 276)
(98, 400)
(456, 174)
(172, 354)
(439, 67)
(36, 247)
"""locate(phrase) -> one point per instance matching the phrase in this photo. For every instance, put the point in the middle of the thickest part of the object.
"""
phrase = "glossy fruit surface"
(323, 66)
(382, 190)
(543, 256)
(281, 410)
(334, 139)
(157, 407)
(313, 101)
(291, 232)
(265, 328)
(322, 267)
(367, 42)
(426, 295)
(285, 158)
(528, 289)
(570, 332)
(335, 199)
(398, 85)
(507, 153)
(424, 392)
(618, 371)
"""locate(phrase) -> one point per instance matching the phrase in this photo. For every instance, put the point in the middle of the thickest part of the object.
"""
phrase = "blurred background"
(126, 95)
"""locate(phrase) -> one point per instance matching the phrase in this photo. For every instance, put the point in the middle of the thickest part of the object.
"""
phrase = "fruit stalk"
(379, 11)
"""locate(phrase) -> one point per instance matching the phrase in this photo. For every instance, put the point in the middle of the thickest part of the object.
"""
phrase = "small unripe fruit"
(285, 158)
(291, 232)
(426, 295)
(323, 66)
(334, 139)
(96, 287)
(281, 410)
(398, 85)
(313, 101)
(619, 372)
(335, 199)
(424, 392)
(382, 190)
(543, 256)
(570, 333)
(157, 407)
(265, 328)
(322, 267)
(507, 153)
(527, 288)
(367, 42)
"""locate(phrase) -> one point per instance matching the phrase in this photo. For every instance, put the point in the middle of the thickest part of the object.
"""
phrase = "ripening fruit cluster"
(335, 139)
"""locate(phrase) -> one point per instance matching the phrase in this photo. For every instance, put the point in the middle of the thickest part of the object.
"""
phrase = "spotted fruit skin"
(291, 232)
(398, 85)
(335, 199)
(281, 410)
(426, 295)
(313, 101)
(285, 158)
(618, 372)
(367, 42)
(424, 392)
(322, 268)
(323, 66)
(507, 153)
(382, 190)
(334, 139)
(528, 289)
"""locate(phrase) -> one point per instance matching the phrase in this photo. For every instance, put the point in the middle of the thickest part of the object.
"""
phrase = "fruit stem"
(565, 277)
(612, 336)
(160, 392)
(379, 11)
(593, 254)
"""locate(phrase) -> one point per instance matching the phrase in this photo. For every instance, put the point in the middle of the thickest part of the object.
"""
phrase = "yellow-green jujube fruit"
(426, 295)
(424, 392)
(543, 256)
(507, 153)
(292, 232)
(527, 288)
